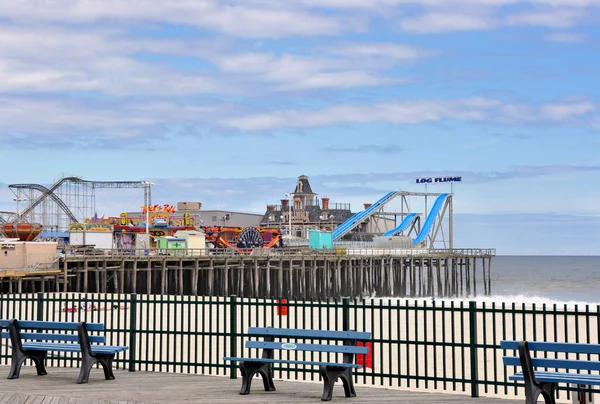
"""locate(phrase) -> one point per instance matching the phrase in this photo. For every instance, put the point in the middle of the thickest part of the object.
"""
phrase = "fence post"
(345, 313)
(233, 336)
(473, 348)
(40, 306)
(132, 330)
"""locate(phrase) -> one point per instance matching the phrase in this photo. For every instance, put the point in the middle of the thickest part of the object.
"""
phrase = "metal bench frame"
(37, 352)
(330, 372)
(545, 383)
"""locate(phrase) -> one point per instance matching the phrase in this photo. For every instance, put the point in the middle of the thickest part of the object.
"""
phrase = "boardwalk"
(59, 387)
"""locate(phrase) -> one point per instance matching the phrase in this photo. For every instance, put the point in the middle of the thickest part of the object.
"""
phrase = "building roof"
(303, 186)
(314, 215)
(314, 211)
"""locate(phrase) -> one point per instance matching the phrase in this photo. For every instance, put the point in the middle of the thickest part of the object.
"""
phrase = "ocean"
(546, 279)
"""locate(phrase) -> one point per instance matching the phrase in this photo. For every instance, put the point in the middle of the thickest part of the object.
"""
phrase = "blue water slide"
(357, 218)
(435, 209)
(405, 223)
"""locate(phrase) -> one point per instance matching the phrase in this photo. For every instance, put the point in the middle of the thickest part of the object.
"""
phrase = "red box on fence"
(281, 307)
(365, 360)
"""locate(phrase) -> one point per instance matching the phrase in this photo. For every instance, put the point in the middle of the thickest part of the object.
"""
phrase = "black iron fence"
(438, 346)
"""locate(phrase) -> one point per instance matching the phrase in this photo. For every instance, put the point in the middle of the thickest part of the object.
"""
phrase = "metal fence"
(437, 346)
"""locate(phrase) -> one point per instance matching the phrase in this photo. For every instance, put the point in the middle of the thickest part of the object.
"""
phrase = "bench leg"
(546, 390)
(39, 358)
(348, 383)
(18, 358)
(330, 374)
(107, 367)
(15, 367)
(249, 369)
(87, 362)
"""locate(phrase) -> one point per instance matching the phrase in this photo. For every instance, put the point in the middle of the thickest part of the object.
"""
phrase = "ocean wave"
(527, 300)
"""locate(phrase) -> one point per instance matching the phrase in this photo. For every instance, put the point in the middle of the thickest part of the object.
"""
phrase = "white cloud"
(115, 76)
(107, 61)
(236, 19)
(438, 3)
(444, 22)
(58, 118)
(385, 50)
(401, 112)
(51, 59)
(568, 3)
(87, 47)
(567, 37)
(474, 19)
(277, 19)
(554, 18)
(414, 112)
(293, 72)
(516, 113)
(563, 112)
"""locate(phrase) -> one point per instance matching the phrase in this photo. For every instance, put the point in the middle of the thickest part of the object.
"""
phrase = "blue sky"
(227, 102)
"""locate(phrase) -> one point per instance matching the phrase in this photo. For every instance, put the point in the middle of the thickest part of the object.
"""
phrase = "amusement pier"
(305, 247)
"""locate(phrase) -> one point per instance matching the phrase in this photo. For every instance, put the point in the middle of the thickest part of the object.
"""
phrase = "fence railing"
(438, 346)
(345, 248)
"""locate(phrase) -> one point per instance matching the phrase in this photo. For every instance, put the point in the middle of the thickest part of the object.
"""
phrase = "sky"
(228, 102)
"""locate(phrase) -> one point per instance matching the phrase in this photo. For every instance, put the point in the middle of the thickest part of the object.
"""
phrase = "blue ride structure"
(405, 223)
(357, 218)
(433, 214)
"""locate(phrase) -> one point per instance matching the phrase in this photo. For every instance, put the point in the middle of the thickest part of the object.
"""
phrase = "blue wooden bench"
(329, 371)
(33, 344)
(544, 382)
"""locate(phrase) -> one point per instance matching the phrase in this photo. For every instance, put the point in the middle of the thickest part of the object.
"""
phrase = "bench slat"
(575, 364)
(49, 346)
(308, 334)
(308, 347)
(559, 377)
(293, 362)
(53, 325)
(568, 347)
(38, 336)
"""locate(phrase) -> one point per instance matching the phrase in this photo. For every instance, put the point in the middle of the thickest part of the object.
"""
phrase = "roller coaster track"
(49, 192)
(46, 192)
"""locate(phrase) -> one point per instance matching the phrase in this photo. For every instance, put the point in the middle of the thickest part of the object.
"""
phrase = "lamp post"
(289, 196)
(147, 184)
(322, 218)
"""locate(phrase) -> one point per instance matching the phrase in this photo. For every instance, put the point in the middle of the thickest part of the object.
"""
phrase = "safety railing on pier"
(417, 344)
(345, 249)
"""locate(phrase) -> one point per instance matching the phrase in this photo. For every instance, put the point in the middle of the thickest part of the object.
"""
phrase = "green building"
(172, 245)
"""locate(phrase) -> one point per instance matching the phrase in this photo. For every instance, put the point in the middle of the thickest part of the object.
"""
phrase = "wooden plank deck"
(59, 387)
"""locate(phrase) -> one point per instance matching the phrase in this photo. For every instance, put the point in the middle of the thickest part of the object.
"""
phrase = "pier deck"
(59, 387)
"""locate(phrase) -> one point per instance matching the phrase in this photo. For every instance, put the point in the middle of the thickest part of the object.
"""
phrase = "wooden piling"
(310, 275)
